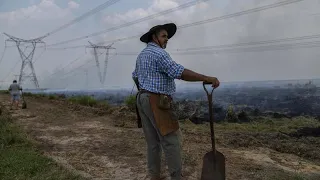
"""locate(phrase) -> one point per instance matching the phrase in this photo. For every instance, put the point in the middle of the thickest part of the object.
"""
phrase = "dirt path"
(91, 145)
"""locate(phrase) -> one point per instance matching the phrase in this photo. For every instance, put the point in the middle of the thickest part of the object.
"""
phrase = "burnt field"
(244, 104)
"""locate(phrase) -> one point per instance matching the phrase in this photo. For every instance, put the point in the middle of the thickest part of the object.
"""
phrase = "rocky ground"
(105, 144)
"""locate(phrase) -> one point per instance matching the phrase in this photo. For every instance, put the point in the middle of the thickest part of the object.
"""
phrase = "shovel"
(213, 167)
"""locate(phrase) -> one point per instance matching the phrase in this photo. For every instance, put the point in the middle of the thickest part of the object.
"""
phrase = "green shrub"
(9, 134)
(4, 91)
(103, 105)
(130, 101)
(84, 100)
(27, 94)
(52, 96)
(19, 158)
(231, 115)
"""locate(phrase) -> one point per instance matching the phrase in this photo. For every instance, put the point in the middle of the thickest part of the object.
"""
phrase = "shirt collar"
(153, 44)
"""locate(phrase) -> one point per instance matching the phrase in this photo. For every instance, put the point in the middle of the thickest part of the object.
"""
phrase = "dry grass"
(113, 135)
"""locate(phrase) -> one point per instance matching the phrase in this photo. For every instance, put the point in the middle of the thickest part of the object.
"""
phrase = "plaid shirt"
(156, 70)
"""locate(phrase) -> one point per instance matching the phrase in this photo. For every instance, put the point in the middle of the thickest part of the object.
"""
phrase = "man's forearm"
(189, 75)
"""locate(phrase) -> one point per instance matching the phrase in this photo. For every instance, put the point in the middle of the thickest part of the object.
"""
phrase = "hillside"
(102, 142)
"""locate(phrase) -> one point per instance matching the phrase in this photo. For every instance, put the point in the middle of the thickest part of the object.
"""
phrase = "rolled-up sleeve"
(170, 67)
(134, 74)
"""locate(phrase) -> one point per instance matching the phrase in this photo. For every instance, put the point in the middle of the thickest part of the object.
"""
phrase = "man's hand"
(212, 80)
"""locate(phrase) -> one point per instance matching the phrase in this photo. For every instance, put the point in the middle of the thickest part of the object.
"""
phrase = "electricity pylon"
(26, 57)
(95, 48)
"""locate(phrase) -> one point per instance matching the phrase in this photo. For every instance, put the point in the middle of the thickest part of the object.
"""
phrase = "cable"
(87, 14)
(257, 42)
(3, 53)
(81, 56)
(258, 49)
(185, 5)
(243, 49)
(229, 50)
(250, 43)
(231, 45)
(81, 65)
(199, 22)
(39, 56)
(72, 70)
(236, 50)
(11, 70)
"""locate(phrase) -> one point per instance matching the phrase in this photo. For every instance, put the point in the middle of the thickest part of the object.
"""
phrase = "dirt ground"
(91, 144)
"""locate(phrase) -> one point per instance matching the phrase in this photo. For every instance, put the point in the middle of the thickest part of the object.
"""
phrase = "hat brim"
(171, 29)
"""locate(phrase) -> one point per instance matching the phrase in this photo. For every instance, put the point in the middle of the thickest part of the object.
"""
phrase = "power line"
(3, 53)
(228, 16)
(232, 50)
(15, 65)
(262, 8)
(298, 38)
(36, 59)
(257, 42)
(185, 5)
(227, 50)
(87, 14)
(258, 49)
(87, 62)
(72, 70)
(228, 47)
(58, 71)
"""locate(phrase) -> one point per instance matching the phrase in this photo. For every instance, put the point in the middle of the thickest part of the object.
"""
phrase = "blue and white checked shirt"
(156, 70)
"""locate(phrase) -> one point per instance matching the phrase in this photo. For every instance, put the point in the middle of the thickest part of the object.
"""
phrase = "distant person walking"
(14, 90)
(154, 76)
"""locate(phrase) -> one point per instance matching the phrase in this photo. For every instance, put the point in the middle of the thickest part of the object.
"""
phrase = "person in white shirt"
(14, 90)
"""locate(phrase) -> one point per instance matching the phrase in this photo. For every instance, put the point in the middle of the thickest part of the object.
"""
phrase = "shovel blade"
(213, 168)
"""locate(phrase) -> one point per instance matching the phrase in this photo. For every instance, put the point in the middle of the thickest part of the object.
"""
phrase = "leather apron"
(161, 105)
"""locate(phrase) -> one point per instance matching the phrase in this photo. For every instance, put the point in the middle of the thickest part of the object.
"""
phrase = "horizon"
(187, 85)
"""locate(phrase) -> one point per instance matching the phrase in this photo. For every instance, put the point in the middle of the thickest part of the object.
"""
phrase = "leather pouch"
(163, 113)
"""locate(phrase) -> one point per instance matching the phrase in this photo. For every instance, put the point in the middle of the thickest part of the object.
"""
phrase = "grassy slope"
(260, 133)
(19, 158)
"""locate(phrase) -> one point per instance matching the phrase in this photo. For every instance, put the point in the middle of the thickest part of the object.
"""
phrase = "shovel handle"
(210, 116)
(204, 87)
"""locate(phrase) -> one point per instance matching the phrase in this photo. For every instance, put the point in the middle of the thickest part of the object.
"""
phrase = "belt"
(141, 91)
(144, 91)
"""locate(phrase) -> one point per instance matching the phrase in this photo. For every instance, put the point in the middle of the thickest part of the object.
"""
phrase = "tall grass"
(20, 160)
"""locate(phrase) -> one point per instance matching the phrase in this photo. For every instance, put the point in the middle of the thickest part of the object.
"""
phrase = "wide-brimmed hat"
(171, 29)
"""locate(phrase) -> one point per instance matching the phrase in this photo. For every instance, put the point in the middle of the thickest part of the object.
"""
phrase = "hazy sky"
(33, 18)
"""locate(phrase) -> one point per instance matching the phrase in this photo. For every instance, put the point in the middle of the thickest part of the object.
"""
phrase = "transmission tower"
(95, 48)
(26, 57)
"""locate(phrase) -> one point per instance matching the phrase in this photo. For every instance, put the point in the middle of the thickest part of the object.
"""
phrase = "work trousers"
(171, 143)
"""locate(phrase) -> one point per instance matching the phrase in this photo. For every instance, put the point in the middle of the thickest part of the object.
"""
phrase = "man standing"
(154, 76)
(14, 90)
